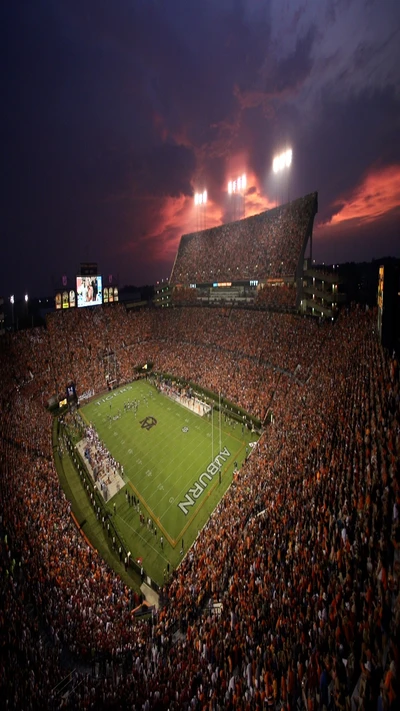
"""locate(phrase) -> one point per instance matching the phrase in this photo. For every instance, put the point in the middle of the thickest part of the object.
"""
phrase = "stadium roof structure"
(269, 245)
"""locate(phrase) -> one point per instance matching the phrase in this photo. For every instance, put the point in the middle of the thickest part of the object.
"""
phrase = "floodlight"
(26, 297)
(12, 298)
(283, 160)
(237, 186)
(200, 198)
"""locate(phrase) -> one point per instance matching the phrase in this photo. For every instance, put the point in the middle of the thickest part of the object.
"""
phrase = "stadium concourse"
(302, 554)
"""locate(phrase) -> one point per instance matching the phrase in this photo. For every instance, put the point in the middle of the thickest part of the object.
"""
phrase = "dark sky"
(114, 112)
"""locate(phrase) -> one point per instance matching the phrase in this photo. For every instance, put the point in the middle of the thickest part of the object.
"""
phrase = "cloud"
(155, 237)
(355, 43)
(166, 169)
(378, 194)
(364, 222)
(115, 113)
(256, 201)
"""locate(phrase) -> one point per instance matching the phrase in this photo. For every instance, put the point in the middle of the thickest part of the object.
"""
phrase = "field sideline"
(176, 463)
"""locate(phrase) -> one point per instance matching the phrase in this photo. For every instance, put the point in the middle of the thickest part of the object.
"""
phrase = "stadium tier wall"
(269, 245)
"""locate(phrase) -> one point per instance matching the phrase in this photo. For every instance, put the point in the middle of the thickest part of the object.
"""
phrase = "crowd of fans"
(277, 296)
(289, 597)
(258, 247)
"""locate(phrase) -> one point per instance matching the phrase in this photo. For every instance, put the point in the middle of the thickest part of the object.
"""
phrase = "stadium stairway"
(150, 595)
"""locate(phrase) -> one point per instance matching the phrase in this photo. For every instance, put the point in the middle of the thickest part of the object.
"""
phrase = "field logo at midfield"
(148, 422)
(199, 486)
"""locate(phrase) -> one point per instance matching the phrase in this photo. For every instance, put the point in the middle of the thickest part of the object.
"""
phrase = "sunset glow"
(378, 194)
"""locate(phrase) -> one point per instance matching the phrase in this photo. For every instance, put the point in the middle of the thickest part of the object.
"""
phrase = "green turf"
(161, 467)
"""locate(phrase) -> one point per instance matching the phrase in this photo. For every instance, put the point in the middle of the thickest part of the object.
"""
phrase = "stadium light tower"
(200, 202)
(237, 191)
(282, 162)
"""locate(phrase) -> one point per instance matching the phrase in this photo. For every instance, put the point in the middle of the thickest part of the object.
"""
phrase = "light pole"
(12, 310)
(200, 202)
(237, 190)
(282, 162)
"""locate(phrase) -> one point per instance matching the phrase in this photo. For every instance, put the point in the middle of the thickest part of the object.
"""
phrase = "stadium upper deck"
(271, 244)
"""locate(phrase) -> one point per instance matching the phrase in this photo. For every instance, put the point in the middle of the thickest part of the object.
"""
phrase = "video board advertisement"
(89, 290)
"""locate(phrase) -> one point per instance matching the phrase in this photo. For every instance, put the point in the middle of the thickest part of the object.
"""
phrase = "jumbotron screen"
(89, 290)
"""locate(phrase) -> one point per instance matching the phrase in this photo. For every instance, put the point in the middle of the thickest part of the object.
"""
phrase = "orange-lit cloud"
(177, 217)
(378, 194)
(256, 202)
(167, 219)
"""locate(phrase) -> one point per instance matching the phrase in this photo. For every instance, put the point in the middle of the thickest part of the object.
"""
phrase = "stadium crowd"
(258, 247)
(289, 598)
(281, 296)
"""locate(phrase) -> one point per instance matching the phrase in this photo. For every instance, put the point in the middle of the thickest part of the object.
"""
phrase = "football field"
(175, 462)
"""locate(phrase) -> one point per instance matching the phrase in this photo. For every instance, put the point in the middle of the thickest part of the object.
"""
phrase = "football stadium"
(200, 503)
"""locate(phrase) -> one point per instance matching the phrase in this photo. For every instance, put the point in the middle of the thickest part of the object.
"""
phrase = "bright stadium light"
(280, 163)
(12, 298)
(283, 160)
(200, 201)
(200, 198)
(238, 185)
(237, 189)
